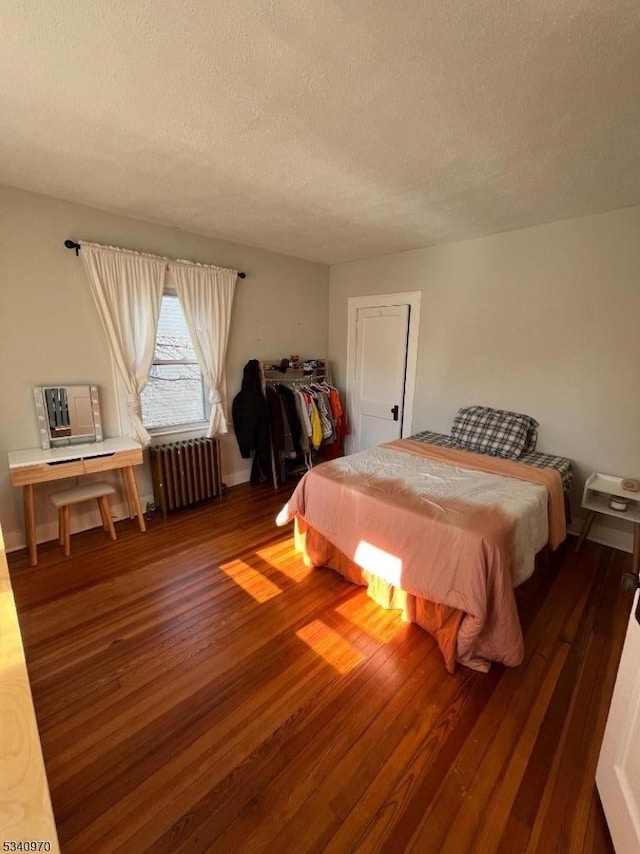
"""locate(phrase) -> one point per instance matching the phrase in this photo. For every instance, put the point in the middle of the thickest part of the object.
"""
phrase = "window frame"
(188, 426)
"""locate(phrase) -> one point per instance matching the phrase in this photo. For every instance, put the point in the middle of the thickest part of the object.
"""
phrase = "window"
(175, 394)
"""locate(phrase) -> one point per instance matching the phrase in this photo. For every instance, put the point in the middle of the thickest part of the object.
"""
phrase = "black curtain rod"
(71, 244)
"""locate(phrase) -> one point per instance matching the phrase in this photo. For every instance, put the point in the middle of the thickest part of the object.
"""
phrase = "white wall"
(543, 320)
(50, 331)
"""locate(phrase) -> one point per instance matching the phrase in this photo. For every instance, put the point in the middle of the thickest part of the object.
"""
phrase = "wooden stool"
(63, 500)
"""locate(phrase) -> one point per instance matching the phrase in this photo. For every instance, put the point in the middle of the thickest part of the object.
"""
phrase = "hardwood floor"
(197, 688)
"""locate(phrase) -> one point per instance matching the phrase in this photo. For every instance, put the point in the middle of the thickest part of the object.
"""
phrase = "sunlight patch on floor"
(369, 617)
(331, 646)
(286, 563)
(251, 581)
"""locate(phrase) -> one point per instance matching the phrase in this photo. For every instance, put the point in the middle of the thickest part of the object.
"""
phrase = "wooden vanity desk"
(30, 467)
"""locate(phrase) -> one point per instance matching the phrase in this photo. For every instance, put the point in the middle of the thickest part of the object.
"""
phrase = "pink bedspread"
(450, 552)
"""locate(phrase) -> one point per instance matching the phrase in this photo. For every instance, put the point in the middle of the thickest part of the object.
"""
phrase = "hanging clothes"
(316, 426)
(334, 449)
(276, 418)
(304, 415)
(305, 423)
(324, 410)
(291, 413)
(334, 400)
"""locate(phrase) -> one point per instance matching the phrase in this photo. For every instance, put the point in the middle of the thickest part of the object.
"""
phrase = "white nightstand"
(597, 491)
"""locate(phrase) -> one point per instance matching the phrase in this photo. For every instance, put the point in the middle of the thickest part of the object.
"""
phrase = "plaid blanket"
(532, 458)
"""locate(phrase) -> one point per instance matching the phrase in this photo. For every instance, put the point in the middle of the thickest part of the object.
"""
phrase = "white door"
(380, 370)
(618, 774)
(80, 410)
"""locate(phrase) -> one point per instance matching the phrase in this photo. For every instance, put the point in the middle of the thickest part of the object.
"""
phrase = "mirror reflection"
(68, 415)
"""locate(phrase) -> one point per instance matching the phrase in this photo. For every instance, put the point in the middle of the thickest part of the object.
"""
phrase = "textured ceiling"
(327, 130)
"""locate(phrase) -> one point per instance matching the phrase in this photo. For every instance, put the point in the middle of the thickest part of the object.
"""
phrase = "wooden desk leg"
(588, 522)
(130, 477)
(127, 492)
(30, 523)
(636, 548)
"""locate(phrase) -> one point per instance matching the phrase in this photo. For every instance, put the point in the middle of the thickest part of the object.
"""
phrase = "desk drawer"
(42, 472)
(108, 462)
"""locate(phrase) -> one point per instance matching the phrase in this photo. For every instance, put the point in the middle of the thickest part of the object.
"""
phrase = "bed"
(442, 533)
(562, 465)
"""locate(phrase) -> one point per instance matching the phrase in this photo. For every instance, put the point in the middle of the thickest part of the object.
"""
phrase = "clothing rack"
(302, 373)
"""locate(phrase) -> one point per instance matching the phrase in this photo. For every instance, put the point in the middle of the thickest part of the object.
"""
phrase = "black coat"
(249, 412)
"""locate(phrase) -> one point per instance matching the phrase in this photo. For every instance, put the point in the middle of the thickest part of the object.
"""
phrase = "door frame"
(411, 298)
(622, 716)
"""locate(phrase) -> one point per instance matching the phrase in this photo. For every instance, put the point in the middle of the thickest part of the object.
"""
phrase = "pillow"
(532, 433)
(494, 431)
(532, 428)
(532, 424)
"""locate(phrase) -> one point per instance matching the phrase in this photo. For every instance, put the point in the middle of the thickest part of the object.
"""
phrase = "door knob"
(630, 582)
(394, 411)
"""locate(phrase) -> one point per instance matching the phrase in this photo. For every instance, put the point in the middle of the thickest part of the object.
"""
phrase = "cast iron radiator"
(185, 472)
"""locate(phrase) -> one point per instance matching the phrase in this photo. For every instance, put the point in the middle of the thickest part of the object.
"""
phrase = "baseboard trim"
(605, 535)
(235, 478)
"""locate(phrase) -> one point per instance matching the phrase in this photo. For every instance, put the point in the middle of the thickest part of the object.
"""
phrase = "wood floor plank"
(212, 813)
(198, 688)
(485, 831)
(201, 758)
(561, 821)
(597, 839)
(324, 746)
(381, 798)
(214, 650)
(199, 732)
(504, 713)
(344, 784)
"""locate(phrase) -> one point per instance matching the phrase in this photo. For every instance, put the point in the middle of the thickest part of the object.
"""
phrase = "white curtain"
(206, 297)
(127, 288)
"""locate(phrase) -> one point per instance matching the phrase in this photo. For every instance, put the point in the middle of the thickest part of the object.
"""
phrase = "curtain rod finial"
(71, 244)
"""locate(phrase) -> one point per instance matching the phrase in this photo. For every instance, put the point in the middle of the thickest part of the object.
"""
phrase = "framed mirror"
(68, 415)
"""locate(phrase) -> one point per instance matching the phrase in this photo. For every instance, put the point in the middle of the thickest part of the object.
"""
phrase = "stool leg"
(102, 514)
(67, 531)
(106, 516)
(60, 527)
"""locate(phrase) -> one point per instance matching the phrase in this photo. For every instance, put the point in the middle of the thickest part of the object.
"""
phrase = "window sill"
(166, 432)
